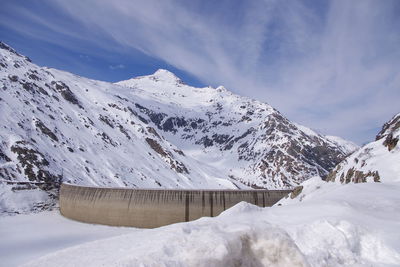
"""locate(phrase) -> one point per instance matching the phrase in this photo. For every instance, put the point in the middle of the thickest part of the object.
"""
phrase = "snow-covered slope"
(378, 161)
(148, 132)
(345, 145)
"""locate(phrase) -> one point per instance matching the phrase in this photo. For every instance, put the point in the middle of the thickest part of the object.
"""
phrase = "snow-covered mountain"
(378, 161)
(148, 132)
(244, 138)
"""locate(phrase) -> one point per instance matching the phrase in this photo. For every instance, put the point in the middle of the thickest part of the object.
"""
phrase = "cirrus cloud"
(331, 65)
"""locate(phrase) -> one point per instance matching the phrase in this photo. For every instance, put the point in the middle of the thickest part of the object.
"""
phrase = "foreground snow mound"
(378, 161)
(346, 224)
(205, 243)
(327, 224)
(240, 209)
(313, 187)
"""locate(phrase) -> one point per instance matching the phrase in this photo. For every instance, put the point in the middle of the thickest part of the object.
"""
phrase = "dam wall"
(150, 208)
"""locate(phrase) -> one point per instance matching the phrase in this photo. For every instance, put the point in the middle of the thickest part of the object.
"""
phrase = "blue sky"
(333, 66)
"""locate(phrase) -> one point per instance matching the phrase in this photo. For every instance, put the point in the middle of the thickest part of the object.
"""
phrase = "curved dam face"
(150, 208)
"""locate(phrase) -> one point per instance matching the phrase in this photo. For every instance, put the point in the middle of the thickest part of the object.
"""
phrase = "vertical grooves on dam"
(211, 203)
(149, 208)
(187, 208)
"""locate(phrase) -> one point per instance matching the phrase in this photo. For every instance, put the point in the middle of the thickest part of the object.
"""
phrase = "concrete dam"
(150, 208)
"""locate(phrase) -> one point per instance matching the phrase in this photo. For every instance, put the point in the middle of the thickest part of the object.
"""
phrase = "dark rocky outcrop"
(178, 166)
(34, 163)
(390, 141)
(46, 131)
(66, 93)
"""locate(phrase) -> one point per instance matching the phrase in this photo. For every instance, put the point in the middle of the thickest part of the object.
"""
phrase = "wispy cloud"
(116, 67)
(332, 65)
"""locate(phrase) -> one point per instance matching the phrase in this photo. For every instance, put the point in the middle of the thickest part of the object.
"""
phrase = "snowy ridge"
(347, 146)
(378, 161)
(148, 132)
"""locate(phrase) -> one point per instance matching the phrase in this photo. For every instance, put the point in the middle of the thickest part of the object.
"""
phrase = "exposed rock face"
(390, 141)
(179, 167)
(389, 127)
(151, 131)
(375, 162)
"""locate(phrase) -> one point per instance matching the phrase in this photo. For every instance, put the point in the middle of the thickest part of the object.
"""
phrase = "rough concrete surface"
(150, 208)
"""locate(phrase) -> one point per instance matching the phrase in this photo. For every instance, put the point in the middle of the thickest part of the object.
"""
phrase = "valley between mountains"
(152, 131)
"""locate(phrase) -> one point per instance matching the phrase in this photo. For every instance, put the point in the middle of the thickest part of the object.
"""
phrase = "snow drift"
(332, 225)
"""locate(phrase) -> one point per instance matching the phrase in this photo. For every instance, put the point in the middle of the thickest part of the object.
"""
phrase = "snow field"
(332, 225)
(26, 237)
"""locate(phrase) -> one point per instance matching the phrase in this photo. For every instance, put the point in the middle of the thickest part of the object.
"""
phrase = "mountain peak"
(161, 75)
(221, 89)
(166, 76)
(164, 72)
